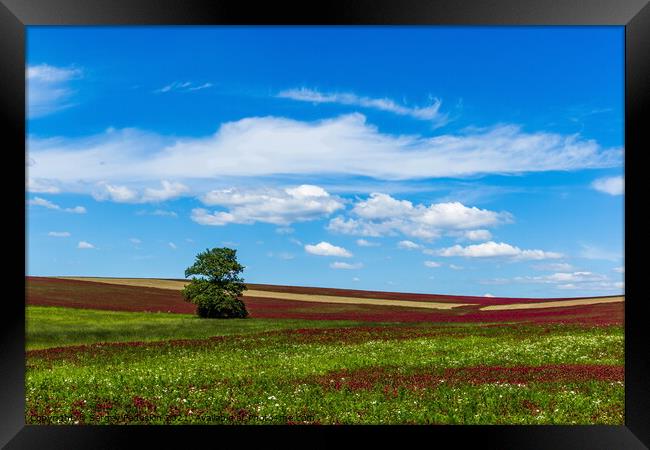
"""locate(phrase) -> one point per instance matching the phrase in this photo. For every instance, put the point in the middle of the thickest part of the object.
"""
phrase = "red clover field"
(100, 353)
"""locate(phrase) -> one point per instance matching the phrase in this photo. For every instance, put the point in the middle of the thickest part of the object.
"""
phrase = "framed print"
(263, 220)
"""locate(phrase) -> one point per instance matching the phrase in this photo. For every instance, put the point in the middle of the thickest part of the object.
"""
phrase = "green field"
(104, 367)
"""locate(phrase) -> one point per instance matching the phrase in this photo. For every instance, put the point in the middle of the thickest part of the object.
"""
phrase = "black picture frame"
(634, 15)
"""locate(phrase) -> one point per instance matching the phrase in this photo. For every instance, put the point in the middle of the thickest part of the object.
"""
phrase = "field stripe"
(177, 285)
(559, 303)
(320, 298)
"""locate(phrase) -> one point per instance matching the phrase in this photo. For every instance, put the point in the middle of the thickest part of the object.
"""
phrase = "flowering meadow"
(102, 354)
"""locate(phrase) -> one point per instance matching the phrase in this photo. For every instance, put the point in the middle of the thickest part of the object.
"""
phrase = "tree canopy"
(216, 284)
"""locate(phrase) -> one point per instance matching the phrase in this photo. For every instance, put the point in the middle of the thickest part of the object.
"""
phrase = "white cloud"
(346, 266)
(478, 235)
(327, 249)
(163, 212)
(488, 295)
(380, 215)
(124, 194)
(59, 234)
(182, 86)
(280, 207)
(85, 245)
(430, 113)
(611, 185)
(583, 280)
(41, 186)
(619, 269)
(38, 201)
(365, 243)
(407, 245)
(135, 241)
(342, 146)
(284, 230)
(431, 264)
(455, 267)
(493, 249)
(76, 210)
(596, 286)
(172, 245)
(120, 194)
(168, 191)
(557, 267)
(48, 89)
(589, 251)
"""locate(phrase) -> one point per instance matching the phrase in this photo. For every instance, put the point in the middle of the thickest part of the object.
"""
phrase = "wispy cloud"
(124, 194)
(38, 201)
(49, 89)
(590, 251)
(182, 86)
(342, 146)
(429, 113)
(59, 234)
(554, 267)
(85, 245)
(346, 266)
(157, 212)
(365, 243)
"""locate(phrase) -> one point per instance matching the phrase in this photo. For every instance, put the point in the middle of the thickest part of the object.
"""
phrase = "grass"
(267, 371)
(48, 326)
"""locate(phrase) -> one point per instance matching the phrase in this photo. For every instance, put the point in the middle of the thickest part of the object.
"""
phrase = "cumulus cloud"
(38, 201)
(408, 245)
(493, 249)
(610, 185)
(276, 206)
(168, 191)
(342, 146)
(59, 234)
(346, 266)
(327, 249)
(381, 215)
(85, 245)
(429, 113)
(49, 89)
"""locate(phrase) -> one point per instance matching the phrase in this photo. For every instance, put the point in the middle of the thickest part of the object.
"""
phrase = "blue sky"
(453, 160)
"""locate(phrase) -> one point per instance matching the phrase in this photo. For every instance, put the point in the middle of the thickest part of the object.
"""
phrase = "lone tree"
(217, 290)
